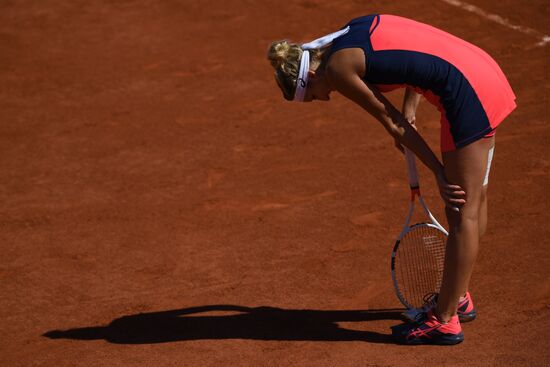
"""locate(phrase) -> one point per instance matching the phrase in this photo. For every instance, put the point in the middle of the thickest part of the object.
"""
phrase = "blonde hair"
(285, 59)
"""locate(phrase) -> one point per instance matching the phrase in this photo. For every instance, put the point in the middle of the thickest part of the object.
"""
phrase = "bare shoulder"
(345, 71)
(346, 62)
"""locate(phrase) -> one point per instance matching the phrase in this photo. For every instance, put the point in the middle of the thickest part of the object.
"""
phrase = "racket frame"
(415, 193)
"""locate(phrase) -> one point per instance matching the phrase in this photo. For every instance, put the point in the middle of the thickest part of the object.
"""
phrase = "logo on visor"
(302, 82)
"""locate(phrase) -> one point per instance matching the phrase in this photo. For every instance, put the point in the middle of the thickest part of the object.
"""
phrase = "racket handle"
(411, 169)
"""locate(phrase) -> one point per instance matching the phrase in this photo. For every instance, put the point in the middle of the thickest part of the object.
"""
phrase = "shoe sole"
(467, 317)
(438, 338)
(444, 339)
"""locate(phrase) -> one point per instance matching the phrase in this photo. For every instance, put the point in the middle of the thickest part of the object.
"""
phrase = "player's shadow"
(233, 322)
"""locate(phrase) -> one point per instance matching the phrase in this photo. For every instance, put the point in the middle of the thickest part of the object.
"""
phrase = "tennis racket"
(418, 255)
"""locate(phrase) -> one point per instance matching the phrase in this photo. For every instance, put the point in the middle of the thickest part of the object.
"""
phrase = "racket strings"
(419, 263)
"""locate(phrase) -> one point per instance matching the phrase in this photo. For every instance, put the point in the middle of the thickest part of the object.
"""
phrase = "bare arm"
(344, 74)
(410, 104)
(396, 124)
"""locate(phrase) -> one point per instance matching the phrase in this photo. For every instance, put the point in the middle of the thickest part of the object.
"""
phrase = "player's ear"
(311, 74)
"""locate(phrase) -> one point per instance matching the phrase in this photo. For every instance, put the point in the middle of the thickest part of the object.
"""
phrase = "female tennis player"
(378, 53)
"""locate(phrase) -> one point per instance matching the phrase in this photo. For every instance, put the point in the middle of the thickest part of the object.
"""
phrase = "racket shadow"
(233, 322)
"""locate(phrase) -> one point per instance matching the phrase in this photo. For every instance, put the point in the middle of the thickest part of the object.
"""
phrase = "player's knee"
(466, 217)
(469, 212)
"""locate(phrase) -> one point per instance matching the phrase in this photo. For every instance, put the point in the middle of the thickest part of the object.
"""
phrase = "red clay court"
(162, 205)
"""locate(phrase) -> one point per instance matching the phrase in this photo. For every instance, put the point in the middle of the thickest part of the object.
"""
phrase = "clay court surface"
(161, 205)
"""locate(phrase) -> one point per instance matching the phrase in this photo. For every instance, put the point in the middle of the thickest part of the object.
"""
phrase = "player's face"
(317, 88)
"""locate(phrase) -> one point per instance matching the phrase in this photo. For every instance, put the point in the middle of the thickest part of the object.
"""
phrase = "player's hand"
(453, 195)
(411, 118)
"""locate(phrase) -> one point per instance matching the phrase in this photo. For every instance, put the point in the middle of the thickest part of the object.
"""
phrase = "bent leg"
(466, 167)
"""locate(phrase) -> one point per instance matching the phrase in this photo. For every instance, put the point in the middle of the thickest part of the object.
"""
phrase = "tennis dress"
(461, 80)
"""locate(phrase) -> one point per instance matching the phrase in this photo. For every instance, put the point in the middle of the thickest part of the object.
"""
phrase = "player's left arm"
(410, 104)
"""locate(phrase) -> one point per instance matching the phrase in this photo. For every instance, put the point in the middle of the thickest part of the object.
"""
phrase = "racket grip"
(411, 168)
